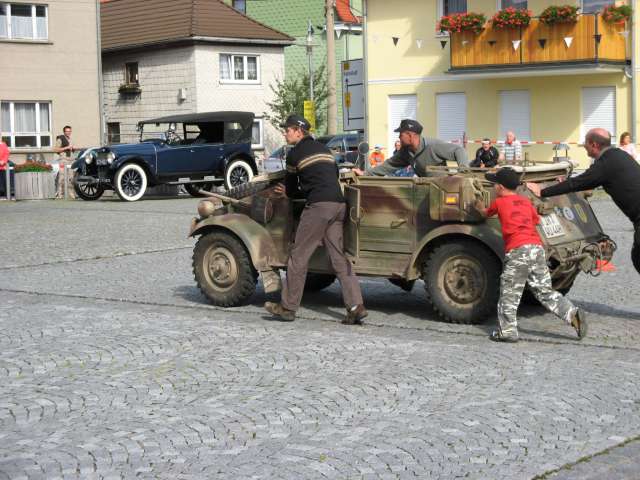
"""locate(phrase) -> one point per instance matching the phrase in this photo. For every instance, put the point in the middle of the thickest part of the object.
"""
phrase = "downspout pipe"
(365, 64)
(103, 139)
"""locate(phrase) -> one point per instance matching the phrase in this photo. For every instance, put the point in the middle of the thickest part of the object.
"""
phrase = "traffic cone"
(605, 266)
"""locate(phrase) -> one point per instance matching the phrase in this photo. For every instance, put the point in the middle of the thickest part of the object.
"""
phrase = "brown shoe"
(278, 310)
(579, 322)
(355, 315)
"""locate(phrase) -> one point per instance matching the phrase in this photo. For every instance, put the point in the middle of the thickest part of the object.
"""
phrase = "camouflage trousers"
(522, 265)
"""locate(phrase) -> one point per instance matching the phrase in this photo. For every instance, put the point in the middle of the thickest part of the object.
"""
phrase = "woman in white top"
(627, 146)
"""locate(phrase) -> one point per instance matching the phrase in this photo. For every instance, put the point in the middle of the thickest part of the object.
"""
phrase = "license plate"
(551, 226)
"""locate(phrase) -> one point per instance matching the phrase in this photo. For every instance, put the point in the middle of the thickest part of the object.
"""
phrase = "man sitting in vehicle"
(419, 153)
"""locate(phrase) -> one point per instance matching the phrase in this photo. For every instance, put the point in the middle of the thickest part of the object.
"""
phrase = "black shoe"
(279, 311)
(579, 322)
(355, 315)
(496, 336)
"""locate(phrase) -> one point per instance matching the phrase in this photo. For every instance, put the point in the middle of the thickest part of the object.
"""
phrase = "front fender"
(482, 232)
(256, 239)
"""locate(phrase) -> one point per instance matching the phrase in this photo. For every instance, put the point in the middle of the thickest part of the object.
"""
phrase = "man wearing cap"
(419, 153)
(312, 174)
(524, 259)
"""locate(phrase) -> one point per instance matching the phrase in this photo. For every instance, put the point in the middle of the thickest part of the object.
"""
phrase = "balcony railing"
(589, 41)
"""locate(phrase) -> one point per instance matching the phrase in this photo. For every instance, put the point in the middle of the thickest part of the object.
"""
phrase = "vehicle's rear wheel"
(462, 281)
(131, 182)
(223, 270)
(318, 281)
(195, 189)
(238, 171)
(87, 191)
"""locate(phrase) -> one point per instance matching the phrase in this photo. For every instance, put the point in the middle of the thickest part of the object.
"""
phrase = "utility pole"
(332, 114)
(310, 57)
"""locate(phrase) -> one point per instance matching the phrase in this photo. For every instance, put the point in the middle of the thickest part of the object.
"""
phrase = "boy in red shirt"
(524, 260)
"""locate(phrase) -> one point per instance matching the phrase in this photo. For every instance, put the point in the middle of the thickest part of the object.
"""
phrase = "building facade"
(544, 83)
(51, 75)
(224, 62)
(293, 17)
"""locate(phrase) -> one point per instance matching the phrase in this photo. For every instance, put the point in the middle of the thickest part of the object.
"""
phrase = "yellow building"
(547, 83)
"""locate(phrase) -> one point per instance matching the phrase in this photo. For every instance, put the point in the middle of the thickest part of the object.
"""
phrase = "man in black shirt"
(613, 169)
(486, 156)
(312, 174)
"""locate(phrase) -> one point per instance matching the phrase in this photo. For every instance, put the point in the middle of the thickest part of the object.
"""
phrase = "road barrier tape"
(522, 142)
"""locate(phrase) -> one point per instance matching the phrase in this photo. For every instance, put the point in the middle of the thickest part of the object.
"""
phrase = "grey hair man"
(419, 153)
(614, 170)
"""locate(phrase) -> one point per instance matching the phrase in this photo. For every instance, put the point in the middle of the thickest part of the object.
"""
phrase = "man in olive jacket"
(419, 153)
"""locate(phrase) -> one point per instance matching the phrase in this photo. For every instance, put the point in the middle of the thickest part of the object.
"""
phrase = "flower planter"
(34, 185)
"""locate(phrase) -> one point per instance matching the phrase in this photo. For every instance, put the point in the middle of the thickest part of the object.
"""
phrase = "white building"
(192, 57)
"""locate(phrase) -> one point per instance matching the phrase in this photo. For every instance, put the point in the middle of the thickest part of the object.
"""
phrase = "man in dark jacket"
(419, 153)
(312, 174)
(613, 169)
(486, 156)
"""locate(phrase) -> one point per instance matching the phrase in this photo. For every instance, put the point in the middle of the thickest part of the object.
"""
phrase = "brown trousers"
(320, 223)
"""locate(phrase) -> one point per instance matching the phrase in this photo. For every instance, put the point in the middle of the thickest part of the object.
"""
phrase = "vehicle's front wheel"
(462, 281)
(238, 171)
(130, 182)
(318, 281)
(223, 270)
(87, 191)
(195, 189)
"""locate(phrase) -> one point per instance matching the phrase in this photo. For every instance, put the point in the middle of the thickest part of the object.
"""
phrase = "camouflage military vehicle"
(400, 228)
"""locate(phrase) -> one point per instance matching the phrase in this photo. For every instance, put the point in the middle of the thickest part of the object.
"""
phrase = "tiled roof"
(131, 23)
(344, 12)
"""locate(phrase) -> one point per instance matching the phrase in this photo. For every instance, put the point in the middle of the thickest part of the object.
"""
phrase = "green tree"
(291, 93)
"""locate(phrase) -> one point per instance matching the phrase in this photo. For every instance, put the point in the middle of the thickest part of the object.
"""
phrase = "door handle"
(397, 223)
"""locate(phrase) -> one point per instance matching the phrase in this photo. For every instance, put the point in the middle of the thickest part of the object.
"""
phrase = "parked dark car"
(196, 150)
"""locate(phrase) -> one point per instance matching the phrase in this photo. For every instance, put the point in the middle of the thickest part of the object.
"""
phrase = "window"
(113, 132)
(515, 113)
(256, 134)
(453, 6)
(131, 73)
(240, 5)
(512, 3)
(239, 68)
(400, 107)
(593, 6)
(452, 115)
(26, 124)
(598, 109)
(23, 21)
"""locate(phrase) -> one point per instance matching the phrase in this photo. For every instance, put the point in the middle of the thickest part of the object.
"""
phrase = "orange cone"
(605, 266)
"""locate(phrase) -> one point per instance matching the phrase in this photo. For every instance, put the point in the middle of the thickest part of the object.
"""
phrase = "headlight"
(111, 157)
(90, 157)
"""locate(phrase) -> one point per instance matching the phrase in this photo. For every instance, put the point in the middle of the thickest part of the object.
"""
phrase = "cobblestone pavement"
(112, 365)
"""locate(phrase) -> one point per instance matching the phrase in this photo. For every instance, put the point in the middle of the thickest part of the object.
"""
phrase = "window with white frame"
(447, 7)
(451, 110)
(23, 21)
(26, 124)
(399, 108)
(593, 6)
(598, 109)
(519, 4)
(239, 68)
(257, 140)
(515, 113)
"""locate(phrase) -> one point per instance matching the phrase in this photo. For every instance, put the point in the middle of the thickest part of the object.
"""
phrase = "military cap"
(408, 125)
(296, 121)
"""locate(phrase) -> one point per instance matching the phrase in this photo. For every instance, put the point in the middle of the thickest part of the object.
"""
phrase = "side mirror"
(363, 148)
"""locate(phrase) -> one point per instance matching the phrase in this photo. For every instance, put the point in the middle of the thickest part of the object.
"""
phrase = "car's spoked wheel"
(462, 281)
(131, 182)
(223, 269)
(237, 172)
(88, 191)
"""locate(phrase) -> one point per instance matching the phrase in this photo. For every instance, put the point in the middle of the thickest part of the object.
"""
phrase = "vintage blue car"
(196, 150)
